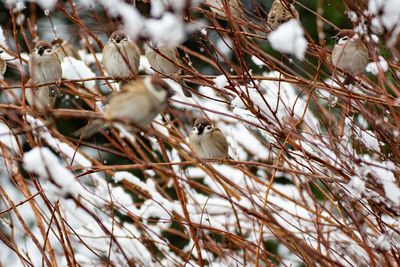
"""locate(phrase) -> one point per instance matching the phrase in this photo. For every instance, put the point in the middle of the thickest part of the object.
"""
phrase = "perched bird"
(138, 102)
(163, 65)
(281, 13)
(121, 57)
(64, 49)
(349, 54)
(45, 67)
(217, 7)
(38, 97)
(3, 64)
(208, 141)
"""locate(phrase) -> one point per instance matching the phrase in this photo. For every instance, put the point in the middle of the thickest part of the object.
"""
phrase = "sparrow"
(163, 65)
(3, 64)
(64, 49)
(208, 141)
(349, 54)
(138, 102)
(121, 57)
(281, 13)
(38, 97)
(217, 7)
(45, 67)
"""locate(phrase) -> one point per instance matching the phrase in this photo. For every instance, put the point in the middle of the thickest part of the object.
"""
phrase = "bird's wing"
(176, 57)
(221, 142)
(133, 105)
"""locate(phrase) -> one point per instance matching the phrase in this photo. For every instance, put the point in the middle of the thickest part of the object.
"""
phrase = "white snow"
(133, 21)
(7, 138)
(224, 46)
(169, 30)
(41, 130)
(383, 242)
(369, 139)
(386, 16)
(357, 185)
(386, 177)
(90, 58)
(77, 69)
(43, 162)
(279, 99)
(375, 67)
(221, 81)
(389, 11)
(2, 38)
(250, 138)
(46, 4)
(145, 65)
(257, 61)
(289, 38)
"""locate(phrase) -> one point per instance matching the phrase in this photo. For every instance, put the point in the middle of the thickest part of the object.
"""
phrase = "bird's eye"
(159, 88)
(125, 39)
(48, 50)
(345, 38)
(209, 128)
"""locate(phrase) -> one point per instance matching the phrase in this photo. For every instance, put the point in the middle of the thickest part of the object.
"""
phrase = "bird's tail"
(54, 91)
(90, 129)
(185, 87)
(348, 80)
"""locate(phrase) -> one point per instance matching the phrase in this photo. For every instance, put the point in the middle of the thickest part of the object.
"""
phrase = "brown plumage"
(45, 67)
(3, 64)
(163, 65)
(138, 102)
(208, 141)
(281, 13)
(64, 49)
(349, 53)
(38, 97)
(217, 7)
(121, 57)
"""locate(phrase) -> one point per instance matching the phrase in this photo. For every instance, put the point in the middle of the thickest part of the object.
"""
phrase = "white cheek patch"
(342, 41)
(159, 95)
(147, 82)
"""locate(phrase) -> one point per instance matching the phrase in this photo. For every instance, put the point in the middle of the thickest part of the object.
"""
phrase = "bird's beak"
(335, 38)
(40, 50)
(117, 39)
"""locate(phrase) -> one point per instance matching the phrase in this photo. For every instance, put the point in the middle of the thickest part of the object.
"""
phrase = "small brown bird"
(349, 54)
(163, 65)
(3, 64)
(281, 12)
(45, 67)
(138, 102)
(64, 49)
(208, 141)
(38, 97)
(217, 7)
(121, 57)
